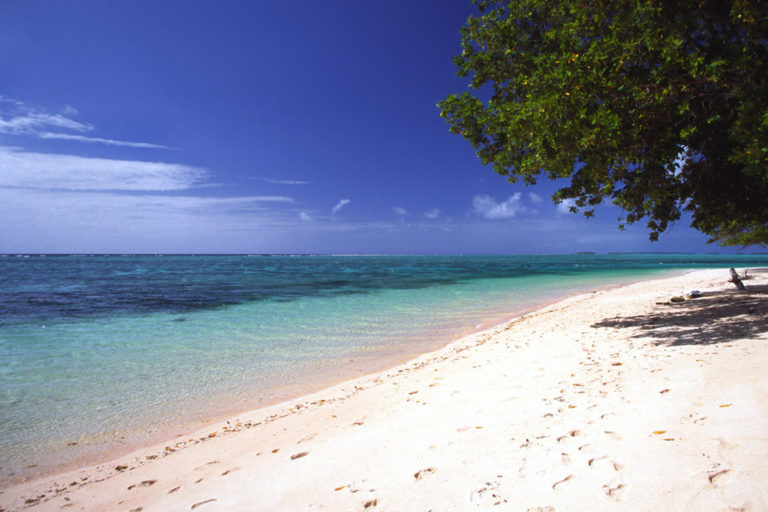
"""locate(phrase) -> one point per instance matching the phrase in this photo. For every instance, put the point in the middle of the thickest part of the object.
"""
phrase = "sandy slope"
(614, 400)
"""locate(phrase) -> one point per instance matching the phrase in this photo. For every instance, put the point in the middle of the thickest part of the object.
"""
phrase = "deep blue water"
(97, 350)
(68, 288)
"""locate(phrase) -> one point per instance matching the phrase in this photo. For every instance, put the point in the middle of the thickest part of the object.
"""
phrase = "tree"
(657, 106)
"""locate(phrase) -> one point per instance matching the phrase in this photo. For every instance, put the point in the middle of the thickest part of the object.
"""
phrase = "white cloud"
(487, 207)
(265, 199)
(565, 206)
(20, 168)
(305, 216)
(341, 204)
(534, 197)
(70, 221)
(400, 211)
(105, 208)
(284, 182)
(109, 142)
(19, 118)
(432, 214)
(31, 122)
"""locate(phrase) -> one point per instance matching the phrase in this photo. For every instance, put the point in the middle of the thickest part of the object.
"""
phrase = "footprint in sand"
(615, 488)
(198, 468)
(420, 474)
(719, 477)
(560, 482)
(615, 492)
(591, 462)
(145, 483)
(199, 503)
(572, 433)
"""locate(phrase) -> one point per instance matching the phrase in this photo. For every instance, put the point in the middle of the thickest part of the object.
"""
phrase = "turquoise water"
(98, 352)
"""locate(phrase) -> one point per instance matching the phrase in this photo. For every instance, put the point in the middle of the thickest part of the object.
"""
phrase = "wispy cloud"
(99, 140)
(400, 211)
(489, 208)
(31, 122)
(20, 118)
(283, 182)
(66, 220)
(432, 214)
(19, 168)
(534, 197)
(341, 204)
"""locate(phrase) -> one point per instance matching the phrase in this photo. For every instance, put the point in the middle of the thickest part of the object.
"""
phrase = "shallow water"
(99, 351)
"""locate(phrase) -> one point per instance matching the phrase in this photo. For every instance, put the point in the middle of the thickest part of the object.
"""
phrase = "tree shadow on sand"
(715, 317)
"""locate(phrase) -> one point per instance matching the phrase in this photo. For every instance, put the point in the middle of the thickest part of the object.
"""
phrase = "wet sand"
(613, 400)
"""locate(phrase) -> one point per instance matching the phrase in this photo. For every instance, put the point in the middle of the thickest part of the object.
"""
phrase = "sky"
(297, 126)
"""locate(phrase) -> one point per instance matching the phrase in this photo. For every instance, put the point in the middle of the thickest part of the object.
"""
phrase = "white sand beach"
(612, 400)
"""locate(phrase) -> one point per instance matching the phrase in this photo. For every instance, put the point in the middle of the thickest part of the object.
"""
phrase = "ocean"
(106, 352)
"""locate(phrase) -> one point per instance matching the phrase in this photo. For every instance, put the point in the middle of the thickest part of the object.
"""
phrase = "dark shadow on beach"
(716, 317)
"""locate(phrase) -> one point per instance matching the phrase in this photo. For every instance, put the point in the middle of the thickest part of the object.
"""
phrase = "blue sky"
(305, 126)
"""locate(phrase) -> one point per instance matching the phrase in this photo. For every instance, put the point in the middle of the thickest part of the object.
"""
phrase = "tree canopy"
(659, 107)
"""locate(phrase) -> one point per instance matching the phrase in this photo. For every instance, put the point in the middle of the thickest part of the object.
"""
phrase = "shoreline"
(320, 378)
(369, 393)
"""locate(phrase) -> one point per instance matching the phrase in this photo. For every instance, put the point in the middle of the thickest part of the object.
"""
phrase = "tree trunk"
(735, 280)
